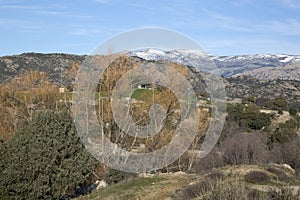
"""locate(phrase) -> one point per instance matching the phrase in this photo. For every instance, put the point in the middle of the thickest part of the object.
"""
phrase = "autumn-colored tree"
(23, 95)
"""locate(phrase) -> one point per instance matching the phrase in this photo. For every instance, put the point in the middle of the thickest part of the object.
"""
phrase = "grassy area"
(144, 94)
(157, 187)
(173, 186)
(126, 190)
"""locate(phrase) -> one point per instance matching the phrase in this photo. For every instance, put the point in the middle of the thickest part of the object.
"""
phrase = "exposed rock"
(100, 184)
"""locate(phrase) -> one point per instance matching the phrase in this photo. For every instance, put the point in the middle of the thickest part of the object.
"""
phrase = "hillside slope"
(53, 64)
(184, 186)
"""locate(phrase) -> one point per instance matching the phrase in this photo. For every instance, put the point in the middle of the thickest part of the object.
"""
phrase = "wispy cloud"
(180, 15)
(295, 4)
(94, 31)
(289, 27)
(103, 1)
(62, 13)
(249, 45)
(21, 25)
(85, 32)
(50, 9)
(50, 12)
(239, 3)
(228, 22)
(21, 7)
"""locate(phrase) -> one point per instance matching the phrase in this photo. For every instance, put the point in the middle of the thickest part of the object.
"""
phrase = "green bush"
(284, 133)
(45, 160)
(280, 103)
(113, 176)
(254, 119)
(248, 117)
(293, 111)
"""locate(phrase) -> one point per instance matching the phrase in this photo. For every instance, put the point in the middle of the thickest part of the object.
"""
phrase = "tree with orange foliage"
(20, 97)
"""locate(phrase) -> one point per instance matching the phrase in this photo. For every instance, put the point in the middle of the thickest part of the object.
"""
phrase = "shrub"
(248, 117)
(289, 153)
(211, 190)
(213, 160)
(255, 195)
(45, 160)
(257, 177)
(279, 136)
(264, 102)
(208, 189)
(245, 149)
(232, 190)
(254, 119)
(216, 175)
(293, 111)
(198, 189)
(280, 103)
(284, 193)
(285, 132)
(113, 176)
(234, 112)
(280, 174)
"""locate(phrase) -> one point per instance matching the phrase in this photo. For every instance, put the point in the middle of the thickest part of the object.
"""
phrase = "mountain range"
(260, 66)
(257, 75)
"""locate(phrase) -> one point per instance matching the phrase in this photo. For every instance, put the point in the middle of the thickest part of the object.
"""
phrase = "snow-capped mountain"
(262, 66)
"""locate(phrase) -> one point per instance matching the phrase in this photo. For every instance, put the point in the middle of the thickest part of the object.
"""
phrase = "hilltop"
(52, 64)
(261, 66)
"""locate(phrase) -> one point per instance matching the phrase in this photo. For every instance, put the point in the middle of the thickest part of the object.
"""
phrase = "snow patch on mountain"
(229, 65)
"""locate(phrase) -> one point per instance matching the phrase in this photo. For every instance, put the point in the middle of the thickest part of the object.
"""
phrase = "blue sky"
(227, 27)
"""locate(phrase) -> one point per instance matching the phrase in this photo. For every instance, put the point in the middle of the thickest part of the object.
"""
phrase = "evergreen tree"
(45, 160)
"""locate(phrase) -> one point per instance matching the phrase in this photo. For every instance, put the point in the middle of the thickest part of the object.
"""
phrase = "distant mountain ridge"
(52, 64)
(261, 66)
(241, 72)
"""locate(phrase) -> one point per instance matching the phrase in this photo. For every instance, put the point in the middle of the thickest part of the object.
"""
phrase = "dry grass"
(188, 186)
(158, 187)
